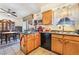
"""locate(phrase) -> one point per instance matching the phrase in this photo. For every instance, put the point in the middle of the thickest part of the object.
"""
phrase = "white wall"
(54, 7)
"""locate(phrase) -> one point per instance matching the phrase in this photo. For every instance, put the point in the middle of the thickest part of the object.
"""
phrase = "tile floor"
(41, 51)
(15, 50)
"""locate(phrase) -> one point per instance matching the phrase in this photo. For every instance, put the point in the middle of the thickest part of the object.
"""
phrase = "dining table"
(8, 35)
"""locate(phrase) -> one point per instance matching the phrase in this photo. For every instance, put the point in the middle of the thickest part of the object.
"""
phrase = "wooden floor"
(14, 49)
(41, 51)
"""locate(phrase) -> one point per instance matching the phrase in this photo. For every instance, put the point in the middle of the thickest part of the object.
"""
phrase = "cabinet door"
(22, 43)
(30, 43)
(64, 12)
(71, 48)
(47, 17)
(57, 45)
(74, 11)
(4, 26)
(37, 40)
(0, 26)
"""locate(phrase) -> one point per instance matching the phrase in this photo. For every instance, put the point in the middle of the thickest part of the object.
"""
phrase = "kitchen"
(52, 27)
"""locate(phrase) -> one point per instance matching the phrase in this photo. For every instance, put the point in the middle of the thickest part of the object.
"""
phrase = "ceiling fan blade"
(9, 11)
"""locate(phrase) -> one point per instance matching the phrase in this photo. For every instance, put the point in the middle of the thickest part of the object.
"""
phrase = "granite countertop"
(67, 34)
(52, 32)
(28, 33)
(64, 33)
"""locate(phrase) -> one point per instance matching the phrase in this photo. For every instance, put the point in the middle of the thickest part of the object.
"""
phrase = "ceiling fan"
(9, 11)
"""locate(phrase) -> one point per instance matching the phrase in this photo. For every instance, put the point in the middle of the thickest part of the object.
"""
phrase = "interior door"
(71, 48)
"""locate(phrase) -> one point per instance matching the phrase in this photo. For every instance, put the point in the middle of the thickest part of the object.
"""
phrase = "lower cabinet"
(23, 46)
(37, 40)
(71, 48)
(57, 45)
(29, 42)
(67, 45)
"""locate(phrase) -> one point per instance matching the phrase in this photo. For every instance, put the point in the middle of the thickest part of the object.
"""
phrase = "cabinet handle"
(73, 42)
(66, 41)
(60, 41)
(23, 45)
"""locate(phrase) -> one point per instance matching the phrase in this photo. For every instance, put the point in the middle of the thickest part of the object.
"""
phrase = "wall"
(73, 15)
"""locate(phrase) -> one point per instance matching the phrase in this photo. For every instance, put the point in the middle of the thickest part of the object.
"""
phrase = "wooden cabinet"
(22, 43)
(47, 17)
(65, 44)
(0, 25)
(29, 42)
(64, 12)
(71, 45)
(57, 45)
(37, 40)
(71, 48)
(74, 11)
(7, 25)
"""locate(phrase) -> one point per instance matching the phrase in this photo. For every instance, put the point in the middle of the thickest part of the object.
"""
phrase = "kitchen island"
(29, 41)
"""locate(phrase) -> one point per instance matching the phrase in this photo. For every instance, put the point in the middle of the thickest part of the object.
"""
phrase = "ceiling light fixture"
(9, 12)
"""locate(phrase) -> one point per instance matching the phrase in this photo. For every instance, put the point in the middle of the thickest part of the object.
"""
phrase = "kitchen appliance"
(46, 40)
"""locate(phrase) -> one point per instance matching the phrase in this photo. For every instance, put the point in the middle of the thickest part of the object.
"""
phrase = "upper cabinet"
(74, 11)
(47, 17)
(7, 25)
(71, 11)
(64, 12)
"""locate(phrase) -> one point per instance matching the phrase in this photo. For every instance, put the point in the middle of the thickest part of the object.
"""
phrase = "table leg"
(9, 37)
(14, 37)
(6, 38)
(1, 38)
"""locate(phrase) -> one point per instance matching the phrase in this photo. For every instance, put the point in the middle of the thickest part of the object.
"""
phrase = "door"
(4, 26)
(22, 43)
(30, 43)
(71, 48)
(47, 17)
(37, 40)
(57, 45)
(0, 26)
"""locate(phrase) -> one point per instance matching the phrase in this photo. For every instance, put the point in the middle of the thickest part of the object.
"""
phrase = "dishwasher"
(46, 40)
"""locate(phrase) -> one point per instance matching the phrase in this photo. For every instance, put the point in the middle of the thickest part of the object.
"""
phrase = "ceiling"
(24, 9)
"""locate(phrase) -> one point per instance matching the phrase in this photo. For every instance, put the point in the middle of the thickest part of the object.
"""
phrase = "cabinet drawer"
(30, 36)
(57, 36)
(75, 38)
